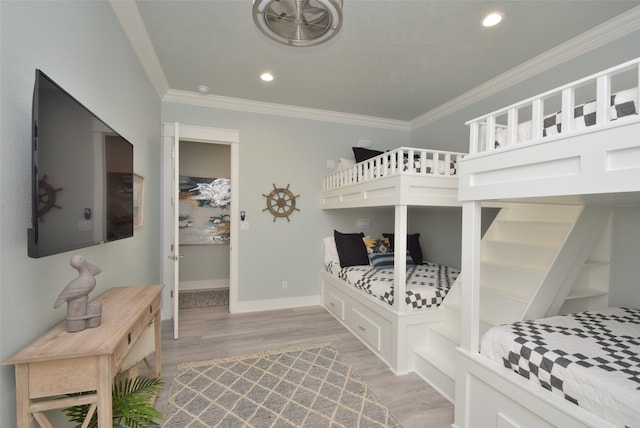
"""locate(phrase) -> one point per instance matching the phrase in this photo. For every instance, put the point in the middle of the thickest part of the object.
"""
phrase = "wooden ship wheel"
(281, 202)
(46, 197)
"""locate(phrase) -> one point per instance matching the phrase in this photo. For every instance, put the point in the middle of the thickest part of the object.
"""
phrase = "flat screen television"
(82, 175)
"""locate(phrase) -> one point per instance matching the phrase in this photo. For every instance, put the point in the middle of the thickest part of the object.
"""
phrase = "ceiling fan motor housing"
(298, 22)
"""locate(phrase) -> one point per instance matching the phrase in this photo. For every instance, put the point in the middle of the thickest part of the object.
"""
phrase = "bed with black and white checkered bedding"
(590, 358)
(426, 284)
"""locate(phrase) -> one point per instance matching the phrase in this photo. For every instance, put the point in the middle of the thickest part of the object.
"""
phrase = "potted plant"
(132, 400)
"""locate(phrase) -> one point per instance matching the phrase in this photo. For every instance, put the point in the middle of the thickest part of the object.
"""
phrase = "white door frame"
(202, 135)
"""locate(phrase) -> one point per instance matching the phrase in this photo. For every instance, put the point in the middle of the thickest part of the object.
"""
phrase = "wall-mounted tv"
(82, 175)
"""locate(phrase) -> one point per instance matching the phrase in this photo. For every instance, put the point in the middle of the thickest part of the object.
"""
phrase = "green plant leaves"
(132, 405)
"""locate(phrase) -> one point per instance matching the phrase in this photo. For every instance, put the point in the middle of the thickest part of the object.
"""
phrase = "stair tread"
(487, 320)
(445, 365)
(511, 266)
(521, 243)
(509, 294)
(531, 221)
(586, 292)
(447, 330)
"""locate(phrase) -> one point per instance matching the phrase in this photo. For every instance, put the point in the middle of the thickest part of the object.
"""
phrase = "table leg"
(103, 392)
(24, 418)
(158, 344)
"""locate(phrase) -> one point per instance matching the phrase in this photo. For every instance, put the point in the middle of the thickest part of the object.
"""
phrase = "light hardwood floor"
(208, 333)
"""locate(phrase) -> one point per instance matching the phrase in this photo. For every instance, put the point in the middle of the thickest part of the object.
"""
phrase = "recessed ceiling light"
(267, 77)
(492, 19)
(203, 89)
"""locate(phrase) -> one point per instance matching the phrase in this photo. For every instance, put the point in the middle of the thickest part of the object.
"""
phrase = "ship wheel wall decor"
(281, 202)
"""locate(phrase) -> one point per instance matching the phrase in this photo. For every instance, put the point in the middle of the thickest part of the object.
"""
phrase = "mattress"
(426, 284)
(590, 358)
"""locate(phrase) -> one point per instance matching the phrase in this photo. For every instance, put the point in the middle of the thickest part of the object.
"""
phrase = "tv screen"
(82, 175)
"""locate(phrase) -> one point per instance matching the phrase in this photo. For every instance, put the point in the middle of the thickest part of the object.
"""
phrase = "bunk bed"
(399, 178)
(523, 374)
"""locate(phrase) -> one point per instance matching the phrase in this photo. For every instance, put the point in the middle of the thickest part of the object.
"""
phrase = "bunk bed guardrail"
(548, 116)
(425, 162)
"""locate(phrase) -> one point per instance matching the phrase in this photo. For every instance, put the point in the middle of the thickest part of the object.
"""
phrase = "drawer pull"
(151, 309)
(362, 328)
(332, 304)
(129, 338)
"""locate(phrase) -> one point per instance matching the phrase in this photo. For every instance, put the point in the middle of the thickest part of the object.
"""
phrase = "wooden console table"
(59, 363)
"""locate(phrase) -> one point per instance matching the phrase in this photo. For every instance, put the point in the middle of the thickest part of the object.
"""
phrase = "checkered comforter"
(590, 358)
(426, 284)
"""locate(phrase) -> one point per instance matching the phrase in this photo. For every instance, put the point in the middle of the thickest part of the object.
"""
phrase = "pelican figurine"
(83, 284)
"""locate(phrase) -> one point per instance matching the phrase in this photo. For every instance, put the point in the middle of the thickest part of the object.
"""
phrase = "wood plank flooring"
(208, 333)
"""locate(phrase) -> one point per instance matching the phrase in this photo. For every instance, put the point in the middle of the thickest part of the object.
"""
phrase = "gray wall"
(81, 46)
(625, 255)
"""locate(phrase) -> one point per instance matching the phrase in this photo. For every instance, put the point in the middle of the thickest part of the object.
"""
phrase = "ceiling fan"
(298, 22)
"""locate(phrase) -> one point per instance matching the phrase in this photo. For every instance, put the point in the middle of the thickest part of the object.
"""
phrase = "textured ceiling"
(392, 59)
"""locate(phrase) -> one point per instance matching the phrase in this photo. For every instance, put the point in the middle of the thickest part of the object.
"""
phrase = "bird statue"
(82, 285)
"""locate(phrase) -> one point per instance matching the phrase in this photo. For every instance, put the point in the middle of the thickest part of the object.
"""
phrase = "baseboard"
(272, 304)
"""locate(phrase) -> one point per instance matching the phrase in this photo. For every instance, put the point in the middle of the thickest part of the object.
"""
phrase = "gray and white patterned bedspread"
(426, 286)
(590, 358)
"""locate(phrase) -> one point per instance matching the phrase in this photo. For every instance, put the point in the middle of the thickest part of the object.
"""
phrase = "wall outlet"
(285, 284)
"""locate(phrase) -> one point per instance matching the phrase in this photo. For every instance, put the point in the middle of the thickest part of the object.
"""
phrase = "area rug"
(306, 386)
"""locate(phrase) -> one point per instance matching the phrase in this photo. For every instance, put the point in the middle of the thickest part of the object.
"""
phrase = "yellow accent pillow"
(377, 245)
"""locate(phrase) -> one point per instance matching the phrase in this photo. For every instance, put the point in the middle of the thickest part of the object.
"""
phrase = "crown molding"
(129, 16)
(598, 36)
(259, 107)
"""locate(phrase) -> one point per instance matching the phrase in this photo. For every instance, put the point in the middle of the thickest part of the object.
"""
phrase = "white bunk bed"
(596, 163)
(399, 178)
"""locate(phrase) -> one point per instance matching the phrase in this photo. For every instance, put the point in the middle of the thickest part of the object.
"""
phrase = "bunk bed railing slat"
(512, 126)
(603, 91)
(568, 102)
(474, 137)
(400, 258)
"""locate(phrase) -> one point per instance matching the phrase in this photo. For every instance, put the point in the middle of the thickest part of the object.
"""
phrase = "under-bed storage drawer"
(366, 329)
(333, 304)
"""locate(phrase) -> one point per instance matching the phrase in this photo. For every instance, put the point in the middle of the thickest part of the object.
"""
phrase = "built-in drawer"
(333, 304)
(368, 330)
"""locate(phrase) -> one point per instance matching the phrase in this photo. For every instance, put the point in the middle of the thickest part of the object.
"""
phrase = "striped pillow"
(382, 260)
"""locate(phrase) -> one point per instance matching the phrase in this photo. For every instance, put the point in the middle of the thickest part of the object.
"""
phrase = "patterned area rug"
(307, 386)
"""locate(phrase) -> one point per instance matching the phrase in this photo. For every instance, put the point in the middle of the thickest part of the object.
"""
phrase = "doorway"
(174, 136)
(204, 224)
